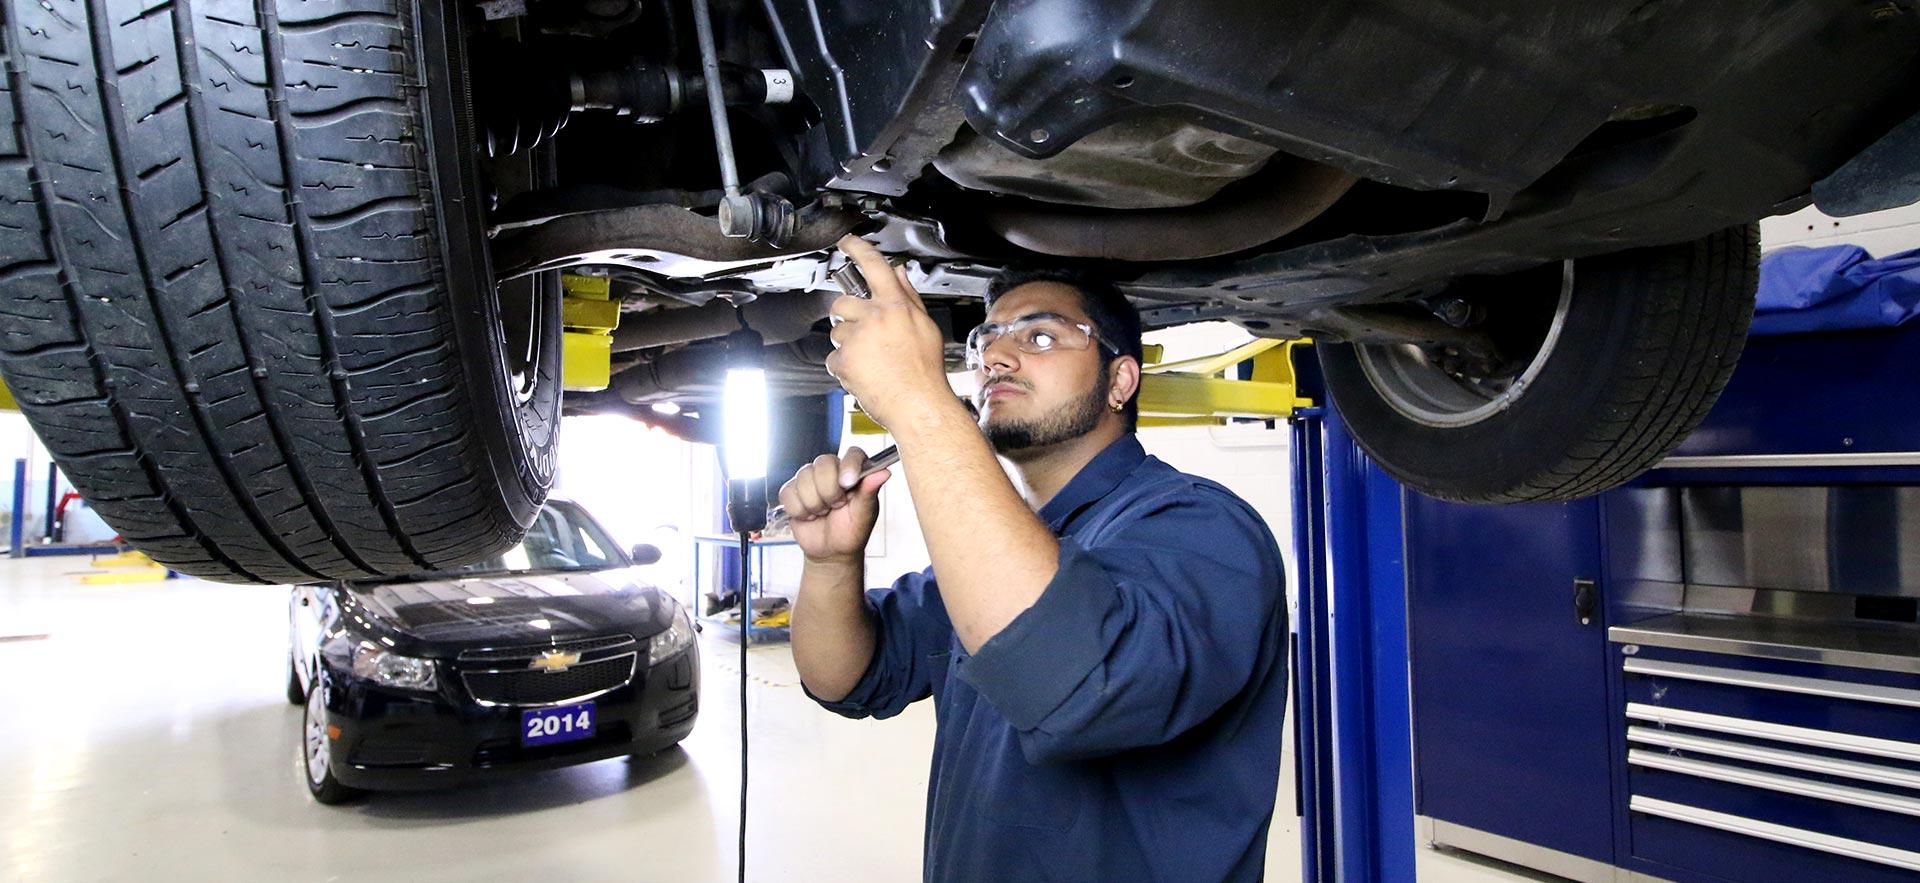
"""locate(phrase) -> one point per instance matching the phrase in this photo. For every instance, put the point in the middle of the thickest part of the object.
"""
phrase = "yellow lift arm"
(1193, 392)
(588, 315)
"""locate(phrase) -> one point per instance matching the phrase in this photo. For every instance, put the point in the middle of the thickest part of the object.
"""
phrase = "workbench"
(757, 587)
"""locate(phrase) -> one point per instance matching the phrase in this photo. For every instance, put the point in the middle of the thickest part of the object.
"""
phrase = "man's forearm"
(994, 557)
(832, 633)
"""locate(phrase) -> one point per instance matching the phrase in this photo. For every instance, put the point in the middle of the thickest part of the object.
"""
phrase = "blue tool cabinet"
(1710, 675)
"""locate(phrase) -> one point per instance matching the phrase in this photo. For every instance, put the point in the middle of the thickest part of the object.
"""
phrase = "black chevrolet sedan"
(553, 653)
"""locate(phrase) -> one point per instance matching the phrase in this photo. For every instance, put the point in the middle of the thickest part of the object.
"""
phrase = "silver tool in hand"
(850, 280)
(854, 284)
(887, 456)
(777, 516)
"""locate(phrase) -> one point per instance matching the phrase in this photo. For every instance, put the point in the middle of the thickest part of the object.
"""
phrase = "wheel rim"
(318, 759)
(521, 337)
(1410, 382)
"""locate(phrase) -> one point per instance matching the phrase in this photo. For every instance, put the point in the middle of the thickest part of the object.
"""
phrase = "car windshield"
(562, 537)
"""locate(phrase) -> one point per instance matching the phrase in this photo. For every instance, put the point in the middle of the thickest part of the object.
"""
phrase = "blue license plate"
(567, 723)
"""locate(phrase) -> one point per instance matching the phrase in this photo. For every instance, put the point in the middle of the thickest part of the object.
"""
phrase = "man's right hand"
(831, 514)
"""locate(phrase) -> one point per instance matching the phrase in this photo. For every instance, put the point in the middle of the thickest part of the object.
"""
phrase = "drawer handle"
(1847, 794)
(1781, 683)
(1860, 849)
(1740, 726)
(1794, 760)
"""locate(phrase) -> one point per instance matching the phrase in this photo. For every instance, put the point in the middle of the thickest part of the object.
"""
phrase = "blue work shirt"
(1126, 727)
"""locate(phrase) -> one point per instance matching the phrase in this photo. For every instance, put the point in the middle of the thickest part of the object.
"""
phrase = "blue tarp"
(1835, 288)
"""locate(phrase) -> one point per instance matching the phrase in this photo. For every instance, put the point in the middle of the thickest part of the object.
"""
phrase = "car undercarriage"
(1520, 235)
(1327, 171)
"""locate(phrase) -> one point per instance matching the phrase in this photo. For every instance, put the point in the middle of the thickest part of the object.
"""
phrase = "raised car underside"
(1337, 170)
(281, 281)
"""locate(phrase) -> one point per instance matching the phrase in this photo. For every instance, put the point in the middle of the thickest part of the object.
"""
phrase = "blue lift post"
(53, 497)
(1352, 719)
(17, 536)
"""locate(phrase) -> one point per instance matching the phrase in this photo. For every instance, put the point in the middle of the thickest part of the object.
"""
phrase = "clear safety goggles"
(1035, 335)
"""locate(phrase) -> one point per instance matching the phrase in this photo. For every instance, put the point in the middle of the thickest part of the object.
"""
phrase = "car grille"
(583, 681)
(505, 676)
(526, 653)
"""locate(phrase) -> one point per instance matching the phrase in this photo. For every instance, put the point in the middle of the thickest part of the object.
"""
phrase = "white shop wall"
(643, 485)
(17, 442)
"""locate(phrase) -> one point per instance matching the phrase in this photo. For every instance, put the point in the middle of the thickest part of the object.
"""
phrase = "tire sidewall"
(519, 438)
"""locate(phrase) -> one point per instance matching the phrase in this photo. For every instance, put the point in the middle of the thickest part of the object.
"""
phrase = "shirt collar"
(1095, 480)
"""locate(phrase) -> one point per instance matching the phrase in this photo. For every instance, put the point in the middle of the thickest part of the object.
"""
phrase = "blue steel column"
(1312, 692)
(53, 496)
(1353, 724)
(17, 534)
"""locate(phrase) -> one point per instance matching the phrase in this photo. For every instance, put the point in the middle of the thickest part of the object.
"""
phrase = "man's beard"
(1079, 417)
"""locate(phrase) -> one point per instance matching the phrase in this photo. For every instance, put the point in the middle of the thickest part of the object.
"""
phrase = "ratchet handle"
(885, 458)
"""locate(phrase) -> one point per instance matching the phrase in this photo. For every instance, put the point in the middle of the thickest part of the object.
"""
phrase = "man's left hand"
(888, 351)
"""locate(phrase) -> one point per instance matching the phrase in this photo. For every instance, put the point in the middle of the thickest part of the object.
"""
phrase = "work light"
(744, 425)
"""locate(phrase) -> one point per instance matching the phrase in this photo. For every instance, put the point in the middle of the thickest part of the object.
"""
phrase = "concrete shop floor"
(147, 738)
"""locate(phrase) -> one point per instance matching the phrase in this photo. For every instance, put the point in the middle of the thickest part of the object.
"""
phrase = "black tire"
(1648, 340)
(317, 772)
(244, 295)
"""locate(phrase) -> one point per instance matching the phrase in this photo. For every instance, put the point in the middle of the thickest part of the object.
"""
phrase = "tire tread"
(224, 307)
(1708, 286)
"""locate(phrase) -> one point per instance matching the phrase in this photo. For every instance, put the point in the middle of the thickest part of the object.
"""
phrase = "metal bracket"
(758, 216)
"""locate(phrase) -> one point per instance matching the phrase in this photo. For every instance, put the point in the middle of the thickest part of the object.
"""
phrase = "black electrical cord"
(746, 513)
(746, 623)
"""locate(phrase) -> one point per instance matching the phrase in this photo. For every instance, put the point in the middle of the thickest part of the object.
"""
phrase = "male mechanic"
(1103, 635)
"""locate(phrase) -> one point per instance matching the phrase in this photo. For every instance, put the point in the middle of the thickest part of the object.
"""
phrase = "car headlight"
(676, 637)
(390, 669)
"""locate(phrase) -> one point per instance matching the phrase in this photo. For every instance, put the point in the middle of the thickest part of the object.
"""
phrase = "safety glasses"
(1034, 334)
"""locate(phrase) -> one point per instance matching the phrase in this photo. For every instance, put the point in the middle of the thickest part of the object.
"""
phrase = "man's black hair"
(1115, 319)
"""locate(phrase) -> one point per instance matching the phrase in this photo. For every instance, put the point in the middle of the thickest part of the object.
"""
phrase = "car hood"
(504, 609)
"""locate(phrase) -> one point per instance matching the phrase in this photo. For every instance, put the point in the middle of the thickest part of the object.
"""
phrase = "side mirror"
(644, 553)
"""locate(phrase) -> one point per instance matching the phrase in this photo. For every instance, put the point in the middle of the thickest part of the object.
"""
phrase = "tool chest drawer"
(1768, 769)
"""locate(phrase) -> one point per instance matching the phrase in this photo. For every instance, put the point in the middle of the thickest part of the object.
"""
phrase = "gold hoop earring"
(1116, 406)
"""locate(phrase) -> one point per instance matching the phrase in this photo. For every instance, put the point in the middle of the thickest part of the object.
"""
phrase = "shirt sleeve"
(1144, 632)
(912, 640)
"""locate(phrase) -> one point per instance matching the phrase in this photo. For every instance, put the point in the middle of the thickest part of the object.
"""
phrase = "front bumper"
(396, 740)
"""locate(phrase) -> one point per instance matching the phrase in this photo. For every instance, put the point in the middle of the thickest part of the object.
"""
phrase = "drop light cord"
(746, 622)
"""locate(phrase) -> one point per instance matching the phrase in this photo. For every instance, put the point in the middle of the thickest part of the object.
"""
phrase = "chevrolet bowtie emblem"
(554, 661)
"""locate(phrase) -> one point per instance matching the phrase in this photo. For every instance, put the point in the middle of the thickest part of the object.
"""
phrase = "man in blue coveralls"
(1104, 636)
